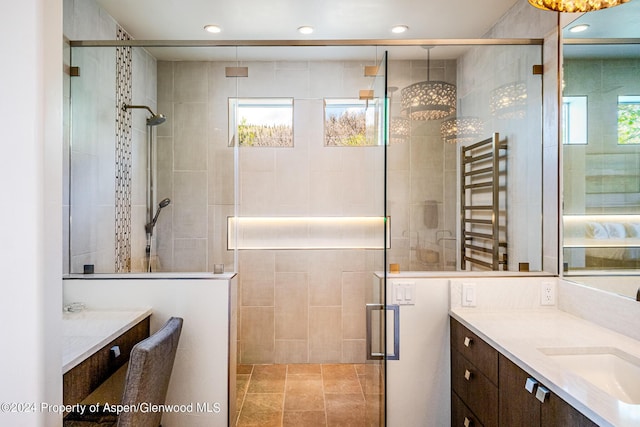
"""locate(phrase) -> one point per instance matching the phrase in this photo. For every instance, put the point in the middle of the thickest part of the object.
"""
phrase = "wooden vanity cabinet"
(474, 379)
(494, 393)
(80, 381)
(519, 407)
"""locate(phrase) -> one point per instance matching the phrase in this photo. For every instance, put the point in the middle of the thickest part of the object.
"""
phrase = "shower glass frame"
(397, 48)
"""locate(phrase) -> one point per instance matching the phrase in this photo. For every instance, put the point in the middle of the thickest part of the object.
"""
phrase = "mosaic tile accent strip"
(123, 155)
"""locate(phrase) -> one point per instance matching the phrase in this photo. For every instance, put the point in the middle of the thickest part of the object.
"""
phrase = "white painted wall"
(200, 372)
(31, 117)
(419, 384)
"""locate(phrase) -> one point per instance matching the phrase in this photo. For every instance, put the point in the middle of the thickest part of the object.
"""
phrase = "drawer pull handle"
(542, 393)
(531, 385)
(468, 341)
(115, 352)
(468, 375)
(467, 422)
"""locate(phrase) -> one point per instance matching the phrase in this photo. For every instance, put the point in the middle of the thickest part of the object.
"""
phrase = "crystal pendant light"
(575, 5)
(428, 100)
(399, 126)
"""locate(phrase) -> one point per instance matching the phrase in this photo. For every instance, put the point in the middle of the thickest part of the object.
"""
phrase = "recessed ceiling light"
(398, 29)
(579, 28)
(212, 28)
(305, 29)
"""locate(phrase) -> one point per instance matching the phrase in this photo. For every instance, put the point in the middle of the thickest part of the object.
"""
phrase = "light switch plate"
(404, 293)
(468, 294)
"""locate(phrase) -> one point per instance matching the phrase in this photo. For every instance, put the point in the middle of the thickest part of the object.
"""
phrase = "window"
(352, 122)
(261, 122)
(574, 120)
(628, 120)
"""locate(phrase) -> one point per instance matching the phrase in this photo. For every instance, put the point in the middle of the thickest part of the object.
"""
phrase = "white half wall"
(419, 383)
(201, 370)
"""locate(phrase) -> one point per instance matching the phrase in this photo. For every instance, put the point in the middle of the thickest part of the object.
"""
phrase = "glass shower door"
(378, 315)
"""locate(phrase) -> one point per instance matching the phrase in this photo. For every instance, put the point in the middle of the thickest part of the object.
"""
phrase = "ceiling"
(280, 19)
(342, 20)
(617, 22)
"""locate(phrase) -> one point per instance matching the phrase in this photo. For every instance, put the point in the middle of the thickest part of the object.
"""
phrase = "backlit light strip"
(307, 232)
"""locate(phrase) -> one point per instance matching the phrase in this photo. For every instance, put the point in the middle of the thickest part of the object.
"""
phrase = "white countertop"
(88, 331)
(459, 274)
(518, 334)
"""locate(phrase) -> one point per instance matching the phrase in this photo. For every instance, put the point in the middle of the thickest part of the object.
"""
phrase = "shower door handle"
(380, 352)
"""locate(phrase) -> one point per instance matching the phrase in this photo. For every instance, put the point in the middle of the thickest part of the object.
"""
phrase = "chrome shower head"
(154, 120)
(149, 226)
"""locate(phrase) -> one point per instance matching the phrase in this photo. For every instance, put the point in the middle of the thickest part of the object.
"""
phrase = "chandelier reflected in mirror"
(461, 130)
(428, 100)
(575, 5)
(509, 101)
(399, 130)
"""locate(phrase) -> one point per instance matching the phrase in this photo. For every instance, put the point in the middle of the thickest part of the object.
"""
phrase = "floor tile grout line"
(284, 392)
(244, 396)
(360, 383)
(324, 397)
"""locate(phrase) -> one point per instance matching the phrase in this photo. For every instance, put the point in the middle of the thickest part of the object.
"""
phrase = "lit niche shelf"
(307, 232)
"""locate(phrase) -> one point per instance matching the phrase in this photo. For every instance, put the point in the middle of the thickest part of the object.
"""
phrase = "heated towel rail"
(483, 217)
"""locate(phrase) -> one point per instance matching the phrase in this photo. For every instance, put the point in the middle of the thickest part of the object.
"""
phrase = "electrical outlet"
(548, 293)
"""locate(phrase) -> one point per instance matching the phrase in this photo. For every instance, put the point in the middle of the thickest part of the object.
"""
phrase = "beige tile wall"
(93, 162)
(295, 306)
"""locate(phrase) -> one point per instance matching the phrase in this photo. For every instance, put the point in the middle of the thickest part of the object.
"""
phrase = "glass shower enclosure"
(270, 161)
(297, 168)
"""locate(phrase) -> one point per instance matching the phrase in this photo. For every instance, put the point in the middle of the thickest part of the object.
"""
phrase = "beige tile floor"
(308, 395)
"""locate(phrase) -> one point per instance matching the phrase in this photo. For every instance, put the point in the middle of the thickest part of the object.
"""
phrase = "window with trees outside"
(352, 122)
(261, 122)
(574, 120)
(628, 120)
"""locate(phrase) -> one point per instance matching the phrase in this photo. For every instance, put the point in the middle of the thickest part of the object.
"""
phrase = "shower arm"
(126, 107)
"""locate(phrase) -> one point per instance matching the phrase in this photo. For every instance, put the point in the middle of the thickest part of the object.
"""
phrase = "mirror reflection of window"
(574, 123)
(628, 120)
(261, 122)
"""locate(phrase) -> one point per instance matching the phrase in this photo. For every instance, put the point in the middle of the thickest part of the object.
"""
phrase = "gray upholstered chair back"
(148, 375)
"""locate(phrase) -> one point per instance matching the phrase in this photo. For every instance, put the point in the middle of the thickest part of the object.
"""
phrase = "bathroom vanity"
(96, 344)
(488, 389)
(541, 367)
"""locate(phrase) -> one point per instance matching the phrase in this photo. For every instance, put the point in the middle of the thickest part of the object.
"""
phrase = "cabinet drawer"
(475, 350)
(461, 416)
(475, 389)
(80, 381)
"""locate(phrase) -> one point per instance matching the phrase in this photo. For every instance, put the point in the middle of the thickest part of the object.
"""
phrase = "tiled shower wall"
(421, 172)
(90, 145)
(480, 71)
(601, 81)
(296, 306)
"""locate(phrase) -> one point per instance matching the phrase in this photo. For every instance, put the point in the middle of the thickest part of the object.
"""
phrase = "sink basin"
(615, 372)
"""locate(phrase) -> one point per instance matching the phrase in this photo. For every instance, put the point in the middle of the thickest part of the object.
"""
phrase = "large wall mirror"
(601, 149)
